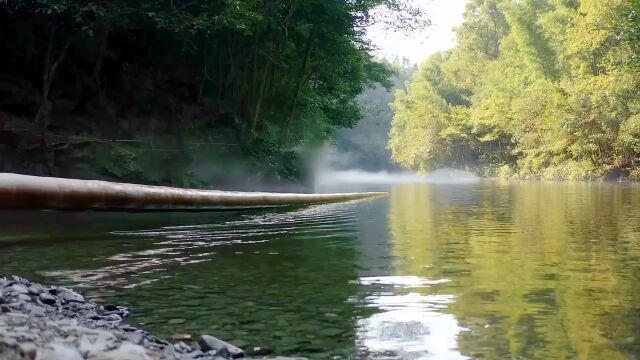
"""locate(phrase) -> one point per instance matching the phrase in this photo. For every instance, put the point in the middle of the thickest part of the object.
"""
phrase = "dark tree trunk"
(302, 79)
(263, 86)
(43, 115)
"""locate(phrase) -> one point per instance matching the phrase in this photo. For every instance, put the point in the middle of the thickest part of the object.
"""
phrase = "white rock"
(127, 351)
(69, 295)
(19, 289)
(91, 345)
(36, 310)
(58, 352)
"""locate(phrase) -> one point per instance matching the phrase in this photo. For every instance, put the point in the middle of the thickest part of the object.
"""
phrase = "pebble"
(181, 337)
(181, 347)
(59, 351)
(19, 289)
(69, 295)
(208, 342)
(112, 317)
(259, 350)
(126, 351)
(37, 310)
(47, 298)
(135, 337)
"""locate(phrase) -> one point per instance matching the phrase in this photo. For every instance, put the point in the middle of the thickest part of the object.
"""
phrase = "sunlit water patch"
(410, 323)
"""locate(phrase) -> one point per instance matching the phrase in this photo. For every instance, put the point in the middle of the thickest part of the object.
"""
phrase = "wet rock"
(110, 307)
(33, 291)
(135, 337)
(21, 280)
(181, 347)
(240, 343)
(46, 298)
(222, 348)
(93, 316)
(117, 310)
(169, 352)
(127, 328)
(93, 345)
(181, 337)
(10, 350)
(8, 283)
(18, 289)
(69, 295)
(112, 317)
(222, 353)
(36, 310)
(193, 355)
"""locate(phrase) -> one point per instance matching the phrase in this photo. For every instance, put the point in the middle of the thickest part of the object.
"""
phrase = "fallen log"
(35, 192)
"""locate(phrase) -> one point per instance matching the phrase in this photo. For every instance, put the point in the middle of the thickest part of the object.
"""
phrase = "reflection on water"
(408, 324)
(538, 271)
(436, 271)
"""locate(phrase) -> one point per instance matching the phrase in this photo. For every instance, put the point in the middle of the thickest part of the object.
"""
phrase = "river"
(486, 270)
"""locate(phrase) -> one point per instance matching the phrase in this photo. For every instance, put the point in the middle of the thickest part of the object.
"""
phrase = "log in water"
(35, 192)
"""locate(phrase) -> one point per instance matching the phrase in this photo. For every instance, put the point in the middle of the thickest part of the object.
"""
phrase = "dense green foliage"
(185, 86)
(534, 88)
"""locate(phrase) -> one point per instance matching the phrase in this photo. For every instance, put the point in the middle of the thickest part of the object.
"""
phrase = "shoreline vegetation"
(235, 94)
(533, 89)
(39, 322)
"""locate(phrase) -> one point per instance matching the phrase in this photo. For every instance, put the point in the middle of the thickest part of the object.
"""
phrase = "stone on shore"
(57, 323)
(69, 295)
(222, 348)
(58, 351)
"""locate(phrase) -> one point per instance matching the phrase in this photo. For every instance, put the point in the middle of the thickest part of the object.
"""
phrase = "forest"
(543, 89)
(363, 146)
(187, 93)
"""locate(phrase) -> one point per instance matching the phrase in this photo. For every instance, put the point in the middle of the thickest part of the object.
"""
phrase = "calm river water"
(478, 271)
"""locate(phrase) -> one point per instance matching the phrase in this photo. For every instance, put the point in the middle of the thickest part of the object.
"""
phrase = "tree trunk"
(302, 79)
(103, 37)
(263, 86)
(49, 74)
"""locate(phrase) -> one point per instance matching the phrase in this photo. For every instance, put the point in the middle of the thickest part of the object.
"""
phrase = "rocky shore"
(40, 322)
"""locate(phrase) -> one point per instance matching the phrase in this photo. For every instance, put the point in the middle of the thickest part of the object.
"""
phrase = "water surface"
(435, 271)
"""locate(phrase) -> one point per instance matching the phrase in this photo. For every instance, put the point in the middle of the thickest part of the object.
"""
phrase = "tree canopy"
(283, 74)
(534, 88)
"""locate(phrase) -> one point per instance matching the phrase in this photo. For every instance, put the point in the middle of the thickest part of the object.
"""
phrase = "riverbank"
(39, 322)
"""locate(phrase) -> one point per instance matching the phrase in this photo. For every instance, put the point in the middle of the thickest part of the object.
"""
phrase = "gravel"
(40, 322)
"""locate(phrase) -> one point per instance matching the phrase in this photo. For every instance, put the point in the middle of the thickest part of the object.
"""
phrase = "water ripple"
(192, 244)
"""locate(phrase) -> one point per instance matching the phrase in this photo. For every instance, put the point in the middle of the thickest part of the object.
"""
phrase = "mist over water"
(355, 176)
(333, 168)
